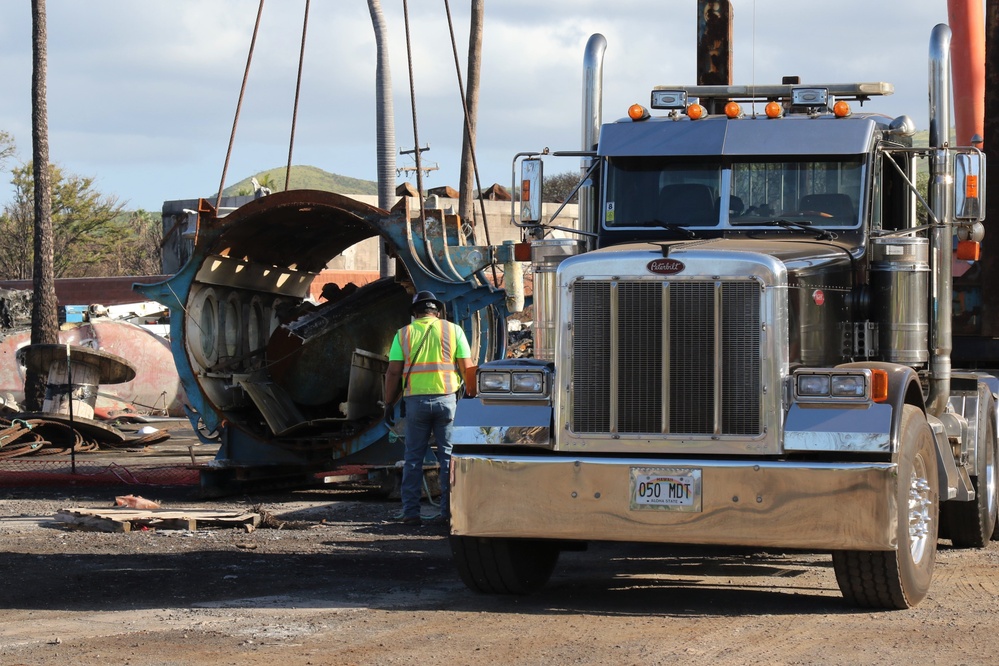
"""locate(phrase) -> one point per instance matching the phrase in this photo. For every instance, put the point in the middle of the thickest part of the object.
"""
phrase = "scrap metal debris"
(270, 521)
(41, 436)
(520, 339)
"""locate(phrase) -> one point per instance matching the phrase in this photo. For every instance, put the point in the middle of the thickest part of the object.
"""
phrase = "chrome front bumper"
(813, 506)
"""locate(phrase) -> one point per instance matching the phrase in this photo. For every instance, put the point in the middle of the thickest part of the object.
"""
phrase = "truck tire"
(503, 566)
(972, 524)
(900, 578)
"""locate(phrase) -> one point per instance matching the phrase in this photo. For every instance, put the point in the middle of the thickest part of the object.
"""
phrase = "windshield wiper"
(670, 226)
(821, 234)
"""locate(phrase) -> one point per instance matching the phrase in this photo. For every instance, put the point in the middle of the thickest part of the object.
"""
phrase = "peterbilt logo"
(665, 266)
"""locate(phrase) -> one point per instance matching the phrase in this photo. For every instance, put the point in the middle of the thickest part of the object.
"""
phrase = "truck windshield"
(655, 191)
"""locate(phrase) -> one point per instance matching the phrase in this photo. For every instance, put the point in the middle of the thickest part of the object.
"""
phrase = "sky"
(142, 95)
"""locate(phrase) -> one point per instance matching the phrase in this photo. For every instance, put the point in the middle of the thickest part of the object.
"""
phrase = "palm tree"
(466, 188)
(385, 121)
(44, 320)
(7, 147)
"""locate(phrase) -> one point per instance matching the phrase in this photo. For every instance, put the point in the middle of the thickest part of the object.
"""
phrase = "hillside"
(304, 178)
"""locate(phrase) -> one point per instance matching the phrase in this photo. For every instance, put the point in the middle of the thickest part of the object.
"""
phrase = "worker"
(422, 362)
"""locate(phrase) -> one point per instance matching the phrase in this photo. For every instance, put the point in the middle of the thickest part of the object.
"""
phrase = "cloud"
(143, 95)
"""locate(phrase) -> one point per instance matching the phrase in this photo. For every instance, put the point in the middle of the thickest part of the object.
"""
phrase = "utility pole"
(714, 44)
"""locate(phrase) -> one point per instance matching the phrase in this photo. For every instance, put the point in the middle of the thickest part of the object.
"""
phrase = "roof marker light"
(733, 110)
(638, 112)
(774, 110)
(696, 111)
(841, 109)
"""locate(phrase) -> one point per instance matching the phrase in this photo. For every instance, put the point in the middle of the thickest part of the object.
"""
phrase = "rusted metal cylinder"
(310, 356)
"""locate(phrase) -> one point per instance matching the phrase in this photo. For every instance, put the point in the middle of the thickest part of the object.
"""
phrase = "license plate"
(666, 489)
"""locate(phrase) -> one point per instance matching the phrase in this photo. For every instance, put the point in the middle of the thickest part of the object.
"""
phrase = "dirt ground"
(342, 583)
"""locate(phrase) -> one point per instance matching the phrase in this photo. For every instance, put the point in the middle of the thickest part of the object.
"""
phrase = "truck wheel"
(900, 578)
(503, 566)
(972, 524)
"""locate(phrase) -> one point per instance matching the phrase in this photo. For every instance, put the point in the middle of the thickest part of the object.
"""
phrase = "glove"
(389, 415)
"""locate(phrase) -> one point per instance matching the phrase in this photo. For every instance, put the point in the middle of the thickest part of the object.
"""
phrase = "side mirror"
(969, 186)
(530, 191)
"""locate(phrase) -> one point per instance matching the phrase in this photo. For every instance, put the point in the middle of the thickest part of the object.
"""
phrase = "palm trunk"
(44, 320)
(466, 188)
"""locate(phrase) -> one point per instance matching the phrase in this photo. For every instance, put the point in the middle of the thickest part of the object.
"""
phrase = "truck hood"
(799, 257)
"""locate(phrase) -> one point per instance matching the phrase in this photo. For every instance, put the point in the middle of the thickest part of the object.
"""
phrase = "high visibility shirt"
(432, 372)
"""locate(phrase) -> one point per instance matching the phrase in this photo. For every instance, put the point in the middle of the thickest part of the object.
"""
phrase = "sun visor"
(748, 136)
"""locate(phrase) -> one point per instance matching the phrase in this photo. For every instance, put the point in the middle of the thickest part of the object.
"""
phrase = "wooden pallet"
(124, 519)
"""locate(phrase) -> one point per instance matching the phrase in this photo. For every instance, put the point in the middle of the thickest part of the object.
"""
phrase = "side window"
(896, 197)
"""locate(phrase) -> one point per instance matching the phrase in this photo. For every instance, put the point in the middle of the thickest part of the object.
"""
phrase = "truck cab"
(746, 343)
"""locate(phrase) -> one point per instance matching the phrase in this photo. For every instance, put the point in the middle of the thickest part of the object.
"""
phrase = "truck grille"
(679, 357)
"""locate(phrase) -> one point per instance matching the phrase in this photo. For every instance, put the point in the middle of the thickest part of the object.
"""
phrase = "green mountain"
(303, 178)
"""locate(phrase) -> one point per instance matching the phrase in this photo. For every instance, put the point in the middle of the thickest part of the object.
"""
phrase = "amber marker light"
(638, 112)
(841, 109)
(969, 250)
(879, 385)
(733, 110)
(471, 386)
(696, 112)
(773, 110)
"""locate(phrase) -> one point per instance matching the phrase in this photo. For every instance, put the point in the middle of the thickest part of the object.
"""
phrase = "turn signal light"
(638, 112)
(522, 252)
(879, 385)
(969, 250)
(471, 386)
(733, 110)
(774, 110)
(696, 112)
(841, 109)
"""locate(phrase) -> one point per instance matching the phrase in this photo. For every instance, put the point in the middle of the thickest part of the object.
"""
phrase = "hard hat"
(427, 297)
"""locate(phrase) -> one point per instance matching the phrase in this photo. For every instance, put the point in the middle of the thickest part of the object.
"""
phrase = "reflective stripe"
(448, 377)
(430, 367)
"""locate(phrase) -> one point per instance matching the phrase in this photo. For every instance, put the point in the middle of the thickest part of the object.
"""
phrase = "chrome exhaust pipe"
(941, 239)
(593, 84)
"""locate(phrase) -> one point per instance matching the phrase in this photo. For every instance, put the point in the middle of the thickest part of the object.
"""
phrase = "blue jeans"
(427, 414)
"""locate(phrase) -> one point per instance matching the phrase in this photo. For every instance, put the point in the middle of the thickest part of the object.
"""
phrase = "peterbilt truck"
(745, 342)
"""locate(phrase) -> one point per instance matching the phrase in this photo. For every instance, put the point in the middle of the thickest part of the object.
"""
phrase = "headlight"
(836, 386)
(494, 382)
(849, 386)
(513, 383)
(813, 384)
(528, 382)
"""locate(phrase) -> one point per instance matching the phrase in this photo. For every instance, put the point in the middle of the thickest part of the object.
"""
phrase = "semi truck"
(746, 342)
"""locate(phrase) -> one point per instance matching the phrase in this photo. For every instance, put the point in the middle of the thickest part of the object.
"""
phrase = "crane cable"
(239, 104)
(416, 134)
(468, 131)
(298, 89)
(439, 272)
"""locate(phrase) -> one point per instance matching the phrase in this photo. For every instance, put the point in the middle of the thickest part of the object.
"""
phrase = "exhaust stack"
(593, 84)
(941, 241)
